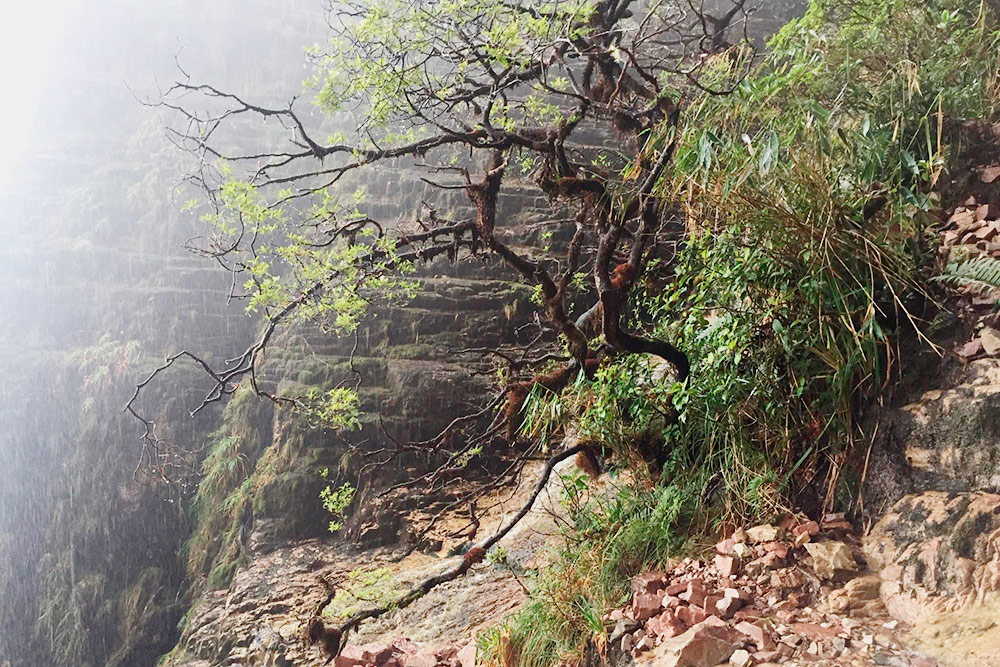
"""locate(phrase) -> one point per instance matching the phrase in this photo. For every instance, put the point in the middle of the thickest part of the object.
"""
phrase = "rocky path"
(797, 593)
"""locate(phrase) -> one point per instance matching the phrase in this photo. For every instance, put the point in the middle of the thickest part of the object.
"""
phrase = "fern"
(979, 273)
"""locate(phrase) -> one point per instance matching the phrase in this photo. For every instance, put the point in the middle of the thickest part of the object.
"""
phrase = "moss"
(222, 574)
(411, 351)
(222, 502)
(138, 611)
(292, 497)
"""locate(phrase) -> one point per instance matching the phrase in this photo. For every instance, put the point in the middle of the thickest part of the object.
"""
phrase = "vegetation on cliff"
(810, 197)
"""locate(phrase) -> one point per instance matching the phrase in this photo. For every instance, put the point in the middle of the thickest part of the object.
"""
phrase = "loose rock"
(830, 556)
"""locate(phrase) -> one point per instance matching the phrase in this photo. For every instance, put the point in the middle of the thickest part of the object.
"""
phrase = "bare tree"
(583, 99)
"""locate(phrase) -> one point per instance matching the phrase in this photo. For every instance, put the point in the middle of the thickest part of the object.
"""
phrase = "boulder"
(947, 439)
(937, 552)
(855, 594)
(763, 533)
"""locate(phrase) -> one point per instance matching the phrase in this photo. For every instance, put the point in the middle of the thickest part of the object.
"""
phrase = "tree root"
(331, 638)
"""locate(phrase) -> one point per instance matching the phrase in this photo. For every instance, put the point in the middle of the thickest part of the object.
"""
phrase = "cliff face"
(99, 289)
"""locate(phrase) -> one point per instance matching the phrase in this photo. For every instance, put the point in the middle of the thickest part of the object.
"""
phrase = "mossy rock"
(293, 497)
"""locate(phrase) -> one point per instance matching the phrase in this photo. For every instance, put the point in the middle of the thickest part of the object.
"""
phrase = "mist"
(98, 284)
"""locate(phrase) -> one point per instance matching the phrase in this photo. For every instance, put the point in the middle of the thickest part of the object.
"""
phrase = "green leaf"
(705, 151)
(769, 153)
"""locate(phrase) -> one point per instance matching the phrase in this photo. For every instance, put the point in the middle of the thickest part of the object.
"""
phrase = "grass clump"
(612, 538)
(362, 589)
(223, 502)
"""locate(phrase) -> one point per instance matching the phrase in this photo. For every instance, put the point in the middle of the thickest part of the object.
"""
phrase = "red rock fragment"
(835, 521)
(715, 622)
(644, 644)
(645, 605)
(763, 533)
(788, 522)
(407, 647)
(985, 233)
(710, 600)
(422, 659)
(810, 527)
(695, 593)
(671, 602)
(690, 615)
(760, 565)
(788, 578)
(797, 599)
(726, 565)
(961, 217)
(787, 614)
(675, 589)
(814, 632)
(666, 625)
(748, 613)
(779, 549)
(990, 174)
(649, 582)
(971, 349)
(467, 656)
(740, 658)
(702, 645)
(728, 606)
(757, 634)
(353, 655)
(766, 656)
(725, 547)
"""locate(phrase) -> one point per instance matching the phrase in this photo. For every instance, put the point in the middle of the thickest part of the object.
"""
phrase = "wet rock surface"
(260, 619)
(947, 439)
(937, 551)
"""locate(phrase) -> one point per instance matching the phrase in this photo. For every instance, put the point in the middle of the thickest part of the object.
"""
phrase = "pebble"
(740, 658)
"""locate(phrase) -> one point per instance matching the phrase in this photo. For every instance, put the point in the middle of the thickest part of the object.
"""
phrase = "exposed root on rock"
(330, 639)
